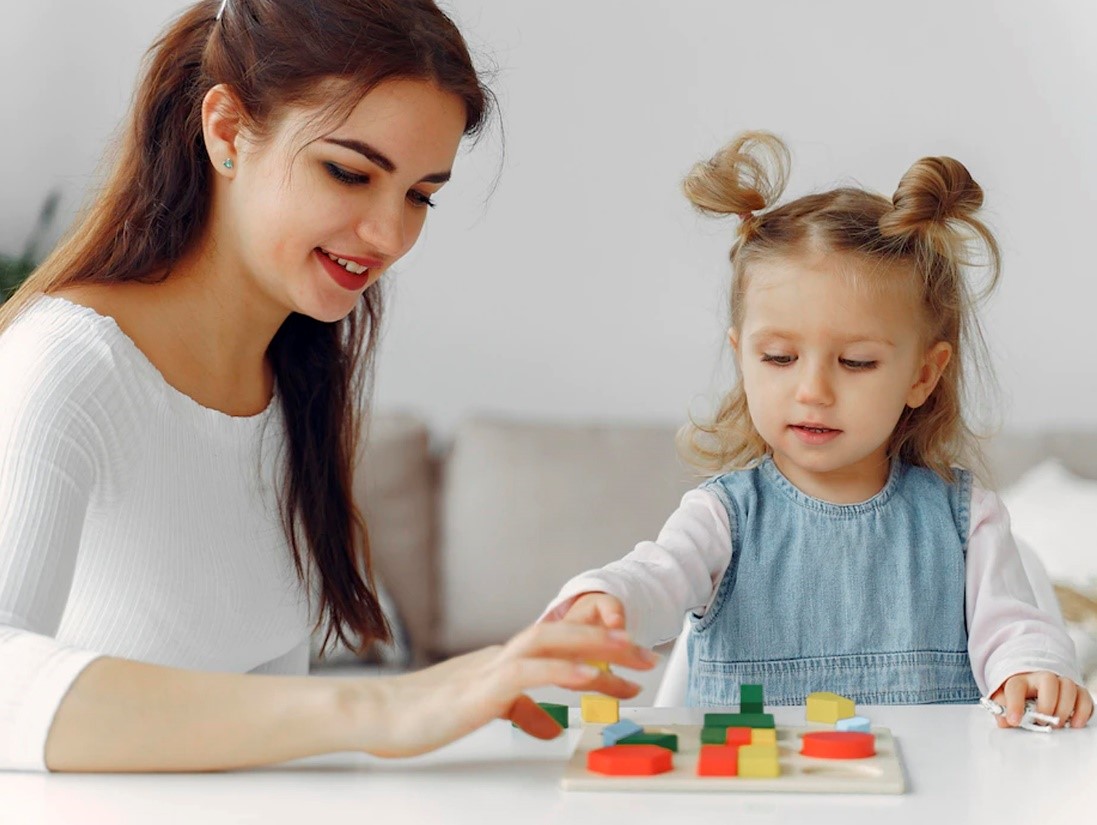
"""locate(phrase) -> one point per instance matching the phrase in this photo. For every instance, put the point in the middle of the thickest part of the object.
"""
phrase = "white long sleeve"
(660, 581)
(133, 523)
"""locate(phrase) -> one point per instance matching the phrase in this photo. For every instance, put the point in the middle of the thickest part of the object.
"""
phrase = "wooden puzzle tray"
(879, 774)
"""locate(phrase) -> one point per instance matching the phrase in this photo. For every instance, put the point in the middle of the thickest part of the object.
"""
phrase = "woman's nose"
(383, 229)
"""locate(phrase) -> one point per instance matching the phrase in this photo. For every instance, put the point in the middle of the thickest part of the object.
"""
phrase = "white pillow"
(1055, 511)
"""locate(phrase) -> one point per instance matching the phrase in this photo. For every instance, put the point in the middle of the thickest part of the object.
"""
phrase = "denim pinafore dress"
(865, 600)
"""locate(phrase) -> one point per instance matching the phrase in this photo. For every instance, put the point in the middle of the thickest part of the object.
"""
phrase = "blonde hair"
(925, 233)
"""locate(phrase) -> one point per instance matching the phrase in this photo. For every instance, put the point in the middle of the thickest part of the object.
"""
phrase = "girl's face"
(313, 226)
(828, 366)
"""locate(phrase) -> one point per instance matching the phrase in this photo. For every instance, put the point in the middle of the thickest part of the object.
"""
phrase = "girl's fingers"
(1083, 709)
(1068, 698)
(1016, 691)
(612, 616)
(1047, 692)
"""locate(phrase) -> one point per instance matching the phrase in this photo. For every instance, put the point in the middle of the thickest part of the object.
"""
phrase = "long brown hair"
(156, 201)
(925, 233)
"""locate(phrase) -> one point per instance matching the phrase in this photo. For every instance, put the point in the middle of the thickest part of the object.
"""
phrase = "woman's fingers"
(563, 640)
(527, 715)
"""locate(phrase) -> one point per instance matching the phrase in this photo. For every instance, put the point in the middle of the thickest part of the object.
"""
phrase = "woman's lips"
(345, 279)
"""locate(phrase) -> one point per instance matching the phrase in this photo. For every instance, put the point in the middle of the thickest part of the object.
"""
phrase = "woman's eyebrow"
(377, 157)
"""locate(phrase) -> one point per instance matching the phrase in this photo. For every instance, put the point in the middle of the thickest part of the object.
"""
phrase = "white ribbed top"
(134, 522)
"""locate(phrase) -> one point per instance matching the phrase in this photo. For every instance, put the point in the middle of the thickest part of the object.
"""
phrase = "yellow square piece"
(763, 736)
(599, 710)
(828, 708)
(602, 666)
(759, 761)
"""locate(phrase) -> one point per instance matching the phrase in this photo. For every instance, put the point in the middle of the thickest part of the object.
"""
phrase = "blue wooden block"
(612, 734)
(858, 723)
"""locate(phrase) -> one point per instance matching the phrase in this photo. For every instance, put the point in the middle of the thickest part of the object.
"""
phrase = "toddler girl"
(842, 546)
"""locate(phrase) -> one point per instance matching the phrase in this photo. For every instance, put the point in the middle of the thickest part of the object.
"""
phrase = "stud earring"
(227, 163)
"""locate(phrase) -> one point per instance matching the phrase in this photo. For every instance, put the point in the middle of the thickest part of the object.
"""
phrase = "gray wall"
(584, 286)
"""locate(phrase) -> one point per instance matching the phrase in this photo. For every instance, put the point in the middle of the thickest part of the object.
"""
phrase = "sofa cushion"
(527, 505)
(394, 488)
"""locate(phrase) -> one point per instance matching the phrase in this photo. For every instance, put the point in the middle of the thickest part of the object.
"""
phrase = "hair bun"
(933, 192)
(745, 176)
(936, 206)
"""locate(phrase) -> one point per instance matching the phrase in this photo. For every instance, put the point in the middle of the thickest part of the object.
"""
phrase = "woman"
(181, 382)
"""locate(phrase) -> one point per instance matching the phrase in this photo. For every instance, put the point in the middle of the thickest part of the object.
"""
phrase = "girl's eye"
(779, 360)
(345, 176)
(420, 199)
(857, 365)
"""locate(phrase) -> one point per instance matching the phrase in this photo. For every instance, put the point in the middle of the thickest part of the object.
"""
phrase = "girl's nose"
(814, 387)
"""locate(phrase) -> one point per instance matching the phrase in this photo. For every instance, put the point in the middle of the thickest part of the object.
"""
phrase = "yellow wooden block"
(602, 666)
(763, 736)
(759, 761)
(828, 708)
(600, 710)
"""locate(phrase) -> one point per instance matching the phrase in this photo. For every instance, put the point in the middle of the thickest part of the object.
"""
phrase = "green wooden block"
(663, 740)
(714, 735)
(557, 712)
(739, 720)
(750, 699)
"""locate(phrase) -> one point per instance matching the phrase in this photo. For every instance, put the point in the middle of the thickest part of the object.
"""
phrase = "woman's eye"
(420, 199)
(779, 360)
(857, 365)
(344, 175)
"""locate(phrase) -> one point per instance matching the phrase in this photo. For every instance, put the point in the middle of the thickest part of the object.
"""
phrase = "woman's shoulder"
(56, 347)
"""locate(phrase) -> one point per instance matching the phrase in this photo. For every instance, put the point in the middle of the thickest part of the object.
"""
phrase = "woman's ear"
(929, 373)
(221, 128)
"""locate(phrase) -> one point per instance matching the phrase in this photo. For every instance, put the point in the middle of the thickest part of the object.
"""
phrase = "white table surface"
(960, 768)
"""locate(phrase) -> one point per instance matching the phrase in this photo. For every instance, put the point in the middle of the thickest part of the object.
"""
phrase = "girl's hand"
(418, 712)
(600, 609)
(1055, 696)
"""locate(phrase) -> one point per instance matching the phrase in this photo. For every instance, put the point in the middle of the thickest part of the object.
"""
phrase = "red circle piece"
(629, 760)
(838, 745)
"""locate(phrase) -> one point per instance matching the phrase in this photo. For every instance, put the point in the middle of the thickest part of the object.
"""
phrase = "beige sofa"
(471, 538)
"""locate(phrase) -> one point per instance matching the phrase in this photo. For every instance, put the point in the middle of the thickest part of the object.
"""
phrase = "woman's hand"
(597, 609)
(418, 712)
(1055, 696)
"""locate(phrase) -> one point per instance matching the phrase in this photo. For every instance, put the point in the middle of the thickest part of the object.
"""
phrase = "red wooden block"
(839, 745)
(718, 760)
(739, 736)
(630, 760)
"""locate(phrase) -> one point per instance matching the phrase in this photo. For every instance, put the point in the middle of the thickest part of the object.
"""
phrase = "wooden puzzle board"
(880, 774)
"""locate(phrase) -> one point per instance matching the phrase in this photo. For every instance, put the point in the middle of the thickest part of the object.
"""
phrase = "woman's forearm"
(121, 715)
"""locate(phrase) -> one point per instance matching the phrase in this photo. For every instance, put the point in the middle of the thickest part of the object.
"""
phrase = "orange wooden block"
(718, 760)
(630, 760)
(838, 745)
(740, 736)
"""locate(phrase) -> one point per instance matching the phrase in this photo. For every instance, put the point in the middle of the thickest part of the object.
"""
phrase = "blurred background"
(563, 275)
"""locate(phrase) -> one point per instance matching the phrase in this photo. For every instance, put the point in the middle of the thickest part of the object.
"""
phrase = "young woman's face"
(828, 366)
(315, 225)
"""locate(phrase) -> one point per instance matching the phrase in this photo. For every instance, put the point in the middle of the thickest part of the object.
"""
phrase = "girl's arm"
(128, 716)
(1008, 633)
(660, 580)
